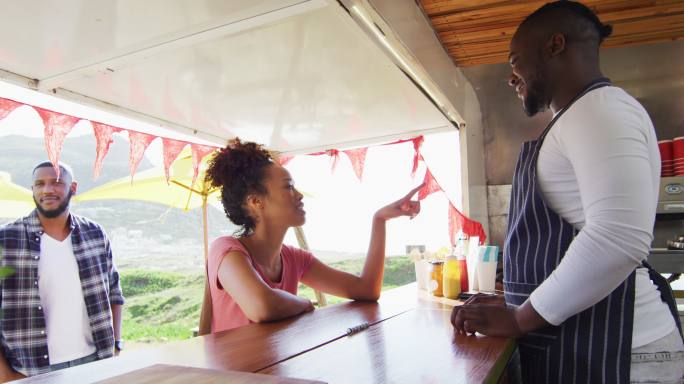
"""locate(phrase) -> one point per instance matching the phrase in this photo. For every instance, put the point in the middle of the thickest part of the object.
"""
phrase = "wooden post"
(301, 239)
(206, 313)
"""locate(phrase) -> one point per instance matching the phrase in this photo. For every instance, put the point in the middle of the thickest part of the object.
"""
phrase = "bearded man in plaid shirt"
(62, 305)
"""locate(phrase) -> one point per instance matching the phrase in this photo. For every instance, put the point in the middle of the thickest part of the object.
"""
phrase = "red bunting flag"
(334, 156)
(7, 106)
(172, 148)
(138, 144)
(57, 127)
(358, 160)
(417, 143)
(430, 185)
(103, 139)
(459, 222)
(199, 152)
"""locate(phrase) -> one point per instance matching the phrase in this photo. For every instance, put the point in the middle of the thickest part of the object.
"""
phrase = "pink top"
(227, 314)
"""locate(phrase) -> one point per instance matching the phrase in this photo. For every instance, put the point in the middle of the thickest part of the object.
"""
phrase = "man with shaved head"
(61, 307)
(578, 293)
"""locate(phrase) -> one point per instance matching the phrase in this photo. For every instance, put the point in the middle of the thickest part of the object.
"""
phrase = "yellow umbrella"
(15, 201)
(151, 186)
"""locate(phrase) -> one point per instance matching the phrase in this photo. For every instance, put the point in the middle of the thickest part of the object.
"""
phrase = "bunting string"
(58, 125)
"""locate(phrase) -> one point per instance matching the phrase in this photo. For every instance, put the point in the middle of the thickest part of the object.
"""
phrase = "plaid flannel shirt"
(22, 326)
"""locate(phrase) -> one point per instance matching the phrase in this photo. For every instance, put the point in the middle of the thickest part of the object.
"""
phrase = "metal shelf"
(667, 261)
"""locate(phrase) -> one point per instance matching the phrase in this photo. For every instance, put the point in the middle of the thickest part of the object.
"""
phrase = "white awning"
(296, 75)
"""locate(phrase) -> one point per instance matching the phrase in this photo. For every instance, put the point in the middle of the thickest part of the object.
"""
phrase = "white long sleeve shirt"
(599, 169)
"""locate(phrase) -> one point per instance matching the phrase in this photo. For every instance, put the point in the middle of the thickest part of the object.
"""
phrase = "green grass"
(166, 309)
(164, 306)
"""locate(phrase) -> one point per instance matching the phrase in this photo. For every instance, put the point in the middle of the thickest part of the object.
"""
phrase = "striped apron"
(593, 346)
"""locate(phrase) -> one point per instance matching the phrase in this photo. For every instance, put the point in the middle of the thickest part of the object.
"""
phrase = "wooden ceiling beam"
(478, 32)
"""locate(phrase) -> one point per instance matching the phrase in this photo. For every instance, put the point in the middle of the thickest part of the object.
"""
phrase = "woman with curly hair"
(253, 276)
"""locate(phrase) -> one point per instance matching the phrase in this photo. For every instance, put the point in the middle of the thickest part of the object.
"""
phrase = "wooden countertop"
(410, 339)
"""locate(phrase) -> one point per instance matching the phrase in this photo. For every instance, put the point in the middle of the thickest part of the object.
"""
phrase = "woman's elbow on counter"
(366, 294)
(260, 314)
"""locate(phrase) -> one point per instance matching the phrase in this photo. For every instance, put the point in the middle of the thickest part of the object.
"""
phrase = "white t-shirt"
(604, 146)
(66, 318)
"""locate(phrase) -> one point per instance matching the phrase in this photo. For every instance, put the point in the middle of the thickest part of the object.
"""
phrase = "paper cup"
(666, 149)
(472, 262)
(486, 268)
(678, 148)
(421, 274)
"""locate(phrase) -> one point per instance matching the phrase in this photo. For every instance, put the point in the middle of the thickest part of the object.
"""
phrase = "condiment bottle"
(463, 268)
(451, 282)
(461, 251)
(435, 284)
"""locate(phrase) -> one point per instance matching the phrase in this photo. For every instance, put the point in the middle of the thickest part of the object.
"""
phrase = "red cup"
(678, 148)
(666, 150)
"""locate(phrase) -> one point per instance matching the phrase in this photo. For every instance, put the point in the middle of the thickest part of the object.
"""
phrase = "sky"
(339, 206)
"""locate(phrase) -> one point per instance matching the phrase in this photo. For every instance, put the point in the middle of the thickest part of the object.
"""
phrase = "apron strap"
(666, 293)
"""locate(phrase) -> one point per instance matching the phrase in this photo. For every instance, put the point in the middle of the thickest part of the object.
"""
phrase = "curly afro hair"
(239, 170)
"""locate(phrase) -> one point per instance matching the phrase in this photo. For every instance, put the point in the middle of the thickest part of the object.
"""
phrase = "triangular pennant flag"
(57, 127)
(358, 159)
(172, 148)
(103, 138)
(459, 222)
(430, 185)
(199, 152)
(417, 142)
(7, 106)
(334, 156)
(138, 144)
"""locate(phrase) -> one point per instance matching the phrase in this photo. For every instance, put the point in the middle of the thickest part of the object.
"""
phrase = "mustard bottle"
(451, 277)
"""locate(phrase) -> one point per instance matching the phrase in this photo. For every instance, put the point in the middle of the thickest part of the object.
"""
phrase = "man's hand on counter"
(485, 298)
(490, 316)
